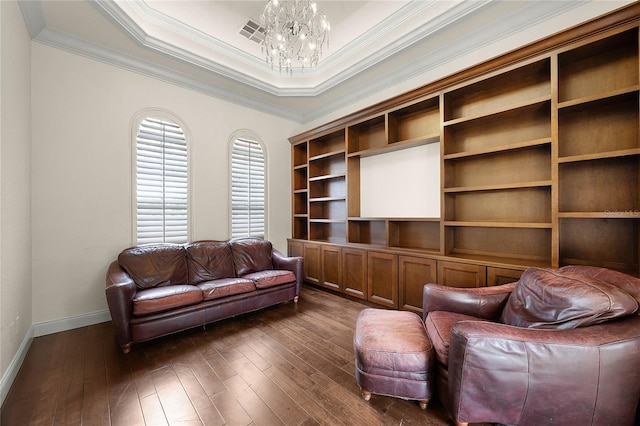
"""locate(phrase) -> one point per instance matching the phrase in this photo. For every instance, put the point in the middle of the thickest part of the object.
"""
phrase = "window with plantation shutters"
(247, 188)
(161, 182)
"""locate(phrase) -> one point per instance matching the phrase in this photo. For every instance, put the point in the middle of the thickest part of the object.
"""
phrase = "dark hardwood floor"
(290, 364)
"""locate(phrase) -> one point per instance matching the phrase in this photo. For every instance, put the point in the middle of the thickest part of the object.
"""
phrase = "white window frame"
(251, 136)
(137, 120)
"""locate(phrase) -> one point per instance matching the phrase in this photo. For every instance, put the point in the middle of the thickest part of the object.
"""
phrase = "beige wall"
(15, 183)
(82, 114)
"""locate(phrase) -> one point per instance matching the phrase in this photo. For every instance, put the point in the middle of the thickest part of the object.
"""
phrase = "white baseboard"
(64, 324)
(12, 371)
(42, 329)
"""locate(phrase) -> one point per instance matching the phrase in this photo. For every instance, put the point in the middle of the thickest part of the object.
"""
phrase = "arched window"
(161, 181)
(248, 186)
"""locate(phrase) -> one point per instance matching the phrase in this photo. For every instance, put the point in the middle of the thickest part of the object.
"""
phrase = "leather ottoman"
(393, 355)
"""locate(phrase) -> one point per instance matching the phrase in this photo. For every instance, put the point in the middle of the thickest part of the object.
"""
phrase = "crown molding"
(482, 37)
(432, 26)
(99, 53)
(115, 12)
(33, 17)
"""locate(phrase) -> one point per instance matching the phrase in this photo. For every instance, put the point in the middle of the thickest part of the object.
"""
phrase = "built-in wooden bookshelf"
(300, 196)
(539, 159)
(497, 166)
(599, 152)
(327, 188)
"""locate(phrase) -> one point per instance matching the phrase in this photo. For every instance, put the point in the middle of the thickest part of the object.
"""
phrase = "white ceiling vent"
(253, 31)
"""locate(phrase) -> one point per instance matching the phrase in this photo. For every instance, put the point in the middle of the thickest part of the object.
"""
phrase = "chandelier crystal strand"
(295, 31)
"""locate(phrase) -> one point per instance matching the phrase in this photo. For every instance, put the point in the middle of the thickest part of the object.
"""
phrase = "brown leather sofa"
(157, 289)
(559, 346)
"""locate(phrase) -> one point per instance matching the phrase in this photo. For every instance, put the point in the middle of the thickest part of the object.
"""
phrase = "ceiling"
(374, 45)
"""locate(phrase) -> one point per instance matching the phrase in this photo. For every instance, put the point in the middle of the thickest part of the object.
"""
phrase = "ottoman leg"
(424, 403)
(366, 395)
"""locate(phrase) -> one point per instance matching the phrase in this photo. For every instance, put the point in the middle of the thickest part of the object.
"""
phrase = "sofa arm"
(482, 302)
(293, 264)
(120, 291)
(506, 374)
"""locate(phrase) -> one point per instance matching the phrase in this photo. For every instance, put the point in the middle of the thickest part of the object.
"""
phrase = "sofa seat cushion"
(209, 260)
(439, 325)
(225, 287)
(251, 255)
(158, 299)
(271, 278)
(153, 265)
(545, 298)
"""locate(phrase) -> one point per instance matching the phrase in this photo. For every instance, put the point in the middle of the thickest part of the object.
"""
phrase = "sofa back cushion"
(251, 255)
(545, 298)
(627, 283)
(209, 260)
(153, 265)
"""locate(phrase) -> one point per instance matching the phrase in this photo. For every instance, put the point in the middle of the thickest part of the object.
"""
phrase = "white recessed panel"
(401, 184)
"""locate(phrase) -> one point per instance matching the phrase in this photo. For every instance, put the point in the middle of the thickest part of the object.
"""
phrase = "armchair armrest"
(482, 302)
(120, 291)
(293, 264)
(511, 375)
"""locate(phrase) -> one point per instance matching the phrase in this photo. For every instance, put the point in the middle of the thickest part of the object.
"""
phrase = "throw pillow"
(545, 298)
(154, 265)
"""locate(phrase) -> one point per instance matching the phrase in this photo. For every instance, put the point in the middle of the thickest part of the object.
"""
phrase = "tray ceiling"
(197, 44)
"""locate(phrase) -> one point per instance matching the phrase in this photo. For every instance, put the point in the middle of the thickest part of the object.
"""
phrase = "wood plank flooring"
(290, 364)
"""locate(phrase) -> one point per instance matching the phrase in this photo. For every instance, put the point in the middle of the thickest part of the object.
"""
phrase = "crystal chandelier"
(294, 31)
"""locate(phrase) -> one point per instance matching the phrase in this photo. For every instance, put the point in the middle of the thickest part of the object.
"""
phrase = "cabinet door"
(415, 272)
(354, 272)
(312, 263)
(500, 276)
(331, 267)
(455, 274)
(296, 248)
(382, 277)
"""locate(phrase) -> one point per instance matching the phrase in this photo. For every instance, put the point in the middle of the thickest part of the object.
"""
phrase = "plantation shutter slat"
(247, 189)
(161, 182)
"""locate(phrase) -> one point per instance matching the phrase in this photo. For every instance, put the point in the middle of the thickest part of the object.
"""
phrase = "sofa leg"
(126, 348)
(295, 299)
(424, 403)
(366, 395)
(460, 423)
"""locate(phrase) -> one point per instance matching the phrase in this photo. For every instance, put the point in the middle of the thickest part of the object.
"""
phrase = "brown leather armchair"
(558, 347)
